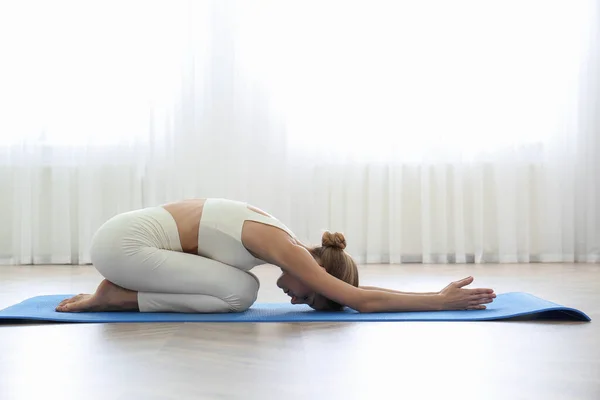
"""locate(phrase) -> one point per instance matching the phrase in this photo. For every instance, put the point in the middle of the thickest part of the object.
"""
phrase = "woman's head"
(332, 257)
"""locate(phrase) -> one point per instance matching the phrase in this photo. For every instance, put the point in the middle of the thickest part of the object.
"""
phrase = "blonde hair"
(336, 261)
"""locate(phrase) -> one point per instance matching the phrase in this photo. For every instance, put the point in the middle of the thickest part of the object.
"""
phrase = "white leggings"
(141, 251)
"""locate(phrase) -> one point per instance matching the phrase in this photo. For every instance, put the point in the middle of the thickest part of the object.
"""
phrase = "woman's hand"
(454, 297)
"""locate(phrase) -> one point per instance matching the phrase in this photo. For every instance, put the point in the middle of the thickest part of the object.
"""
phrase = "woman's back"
(187, 215)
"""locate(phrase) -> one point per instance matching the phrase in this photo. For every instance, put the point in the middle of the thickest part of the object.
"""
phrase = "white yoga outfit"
(140, 250)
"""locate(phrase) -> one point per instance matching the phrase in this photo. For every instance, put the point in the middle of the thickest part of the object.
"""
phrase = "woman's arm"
(297, 261)
(397, 291)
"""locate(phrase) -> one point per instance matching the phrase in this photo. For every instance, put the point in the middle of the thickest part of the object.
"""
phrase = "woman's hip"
(126, 234)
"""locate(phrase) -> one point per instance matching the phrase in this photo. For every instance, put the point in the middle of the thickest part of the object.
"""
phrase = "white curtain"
(431, 131)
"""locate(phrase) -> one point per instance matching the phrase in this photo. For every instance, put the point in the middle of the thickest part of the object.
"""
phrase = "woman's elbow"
(364, 304)
(365, 307)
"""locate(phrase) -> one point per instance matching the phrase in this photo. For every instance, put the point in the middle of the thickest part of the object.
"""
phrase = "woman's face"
(299, 292)
(293, 287)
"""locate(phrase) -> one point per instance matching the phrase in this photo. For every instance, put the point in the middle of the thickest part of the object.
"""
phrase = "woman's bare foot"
(108, 297)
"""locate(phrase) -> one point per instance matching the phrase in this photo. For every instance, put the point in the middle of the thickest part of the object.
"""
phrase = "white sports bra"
(220, 232)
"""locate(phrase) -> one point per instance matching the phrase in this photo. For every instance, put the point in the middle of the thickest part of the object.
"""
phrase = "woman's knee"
(246, 293)
(106, 243)
(102, 252)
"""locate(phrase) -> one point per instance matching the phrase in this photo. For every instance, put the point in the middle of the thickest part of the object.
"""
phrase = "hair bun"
(335, 240)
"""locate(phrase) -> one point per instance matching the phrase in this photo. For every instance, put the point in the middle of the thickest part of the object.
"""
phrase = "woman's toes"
(70, 300)
(68, 307)
(64, 305)
(65, 301)
(78, 303)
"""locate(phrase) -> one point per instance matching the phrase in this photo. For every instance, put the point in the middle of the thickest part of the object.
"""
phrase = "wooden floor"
(420, 360)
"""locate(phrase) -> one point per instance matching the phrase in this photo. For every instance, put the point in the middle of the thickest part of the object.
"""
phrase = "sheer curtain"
(429, 132)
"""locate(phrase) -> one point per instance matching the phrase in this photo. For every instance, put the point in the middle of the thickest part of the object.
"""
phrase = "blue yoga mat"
(508, 305)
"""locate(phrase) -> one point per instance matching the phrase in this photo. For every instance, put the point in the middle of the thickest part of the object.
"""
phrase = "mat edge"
(571, 313)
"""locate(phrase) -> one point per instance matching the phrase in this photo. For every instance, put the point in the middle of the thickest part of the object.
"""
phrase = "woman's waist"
(147, 227)
(187, 216)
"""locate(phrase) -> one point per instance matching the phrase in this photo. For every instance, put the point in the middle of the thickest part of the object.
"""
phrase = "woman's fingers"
(473, 296)
(481, 307)
(480, 291)
(464, 282)
(480, 301)
(481, 297)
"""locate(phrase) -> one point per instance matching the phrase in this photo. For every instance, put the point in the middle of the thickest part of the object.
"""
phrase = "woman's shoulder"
(265, 241)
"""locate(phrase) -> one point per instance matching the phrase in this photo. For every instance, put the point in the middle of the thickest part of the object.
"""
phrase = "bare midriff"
(187, 215)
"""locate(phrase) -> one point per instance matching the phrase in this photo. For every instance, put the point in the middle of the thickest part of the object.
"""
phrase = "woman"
(196, 256)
